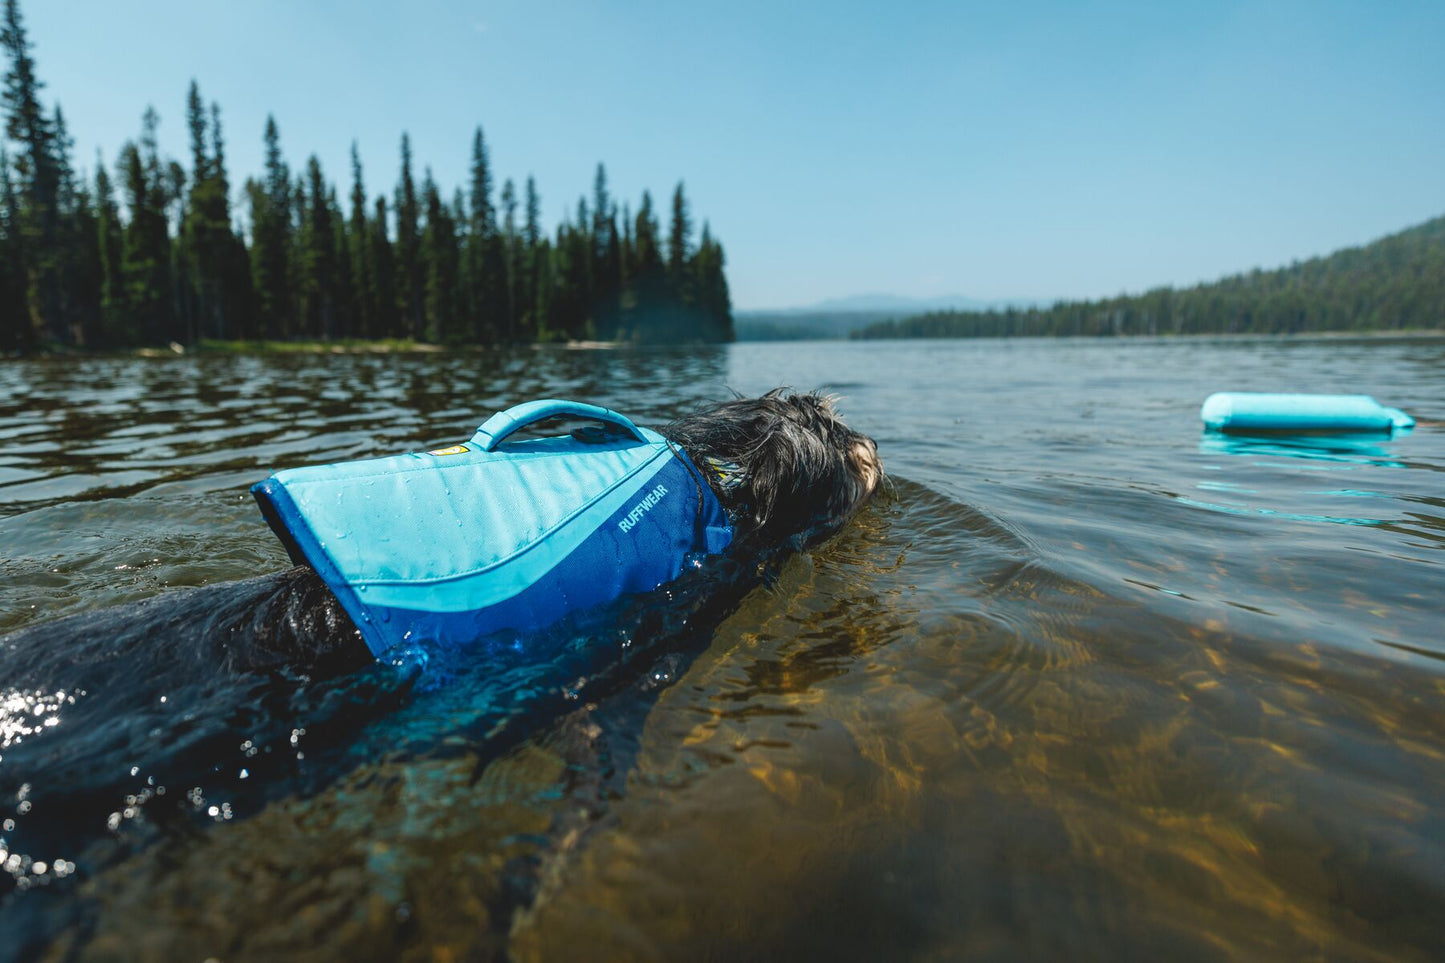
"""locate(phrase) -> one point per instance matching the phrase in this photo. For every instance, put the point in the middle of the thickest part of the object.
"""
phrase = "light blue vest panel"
(460, 542)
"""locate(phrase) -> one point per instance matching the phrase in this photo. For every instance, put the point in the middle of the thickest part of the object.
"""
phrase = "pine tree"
(206, 230)
(271, 241)
(410, 281)
(343, 284)
(711, 285)
(61, 143)
(358, 253)
(606, 269)
(85, 271)
(544, 288)
(299, 211)
(114, 310)
(441, 262)
(646, 319)
(563, 312)
(166, 180)
(317, 246)
(200, 139)
(571, 273)
(527, 265)
(506, 252)
(74, 254)
(194, 300)
(679, 237)
(480, 270)
(145, 245)
(578, 277)
(683, 320)
(237, 309)
(383, 272)
(534, 214)
(626, 281)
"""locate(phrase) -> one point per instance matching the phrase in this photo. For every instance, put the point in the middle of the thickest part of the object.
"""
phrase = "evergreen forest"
(1394, 284)
(150, 252)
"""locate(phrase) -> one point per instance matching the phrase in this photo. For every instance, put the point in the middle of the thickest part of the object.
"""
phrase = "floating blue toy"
(1244, 412)
(456, 543)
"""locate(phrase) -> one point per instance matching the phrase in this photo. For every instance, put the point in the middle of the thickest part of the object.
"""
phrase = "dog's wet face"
(782, 464)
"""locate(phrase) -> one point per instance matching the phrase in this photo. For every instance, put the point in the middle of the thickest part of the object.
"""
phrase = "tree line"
(153, 252)
(1394, 284)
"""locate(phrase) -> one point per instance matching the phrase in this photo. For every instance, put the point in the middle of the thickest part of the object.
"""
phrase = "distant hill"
(898, 304)
(803, 325)
(1395, 283)
(840, 317)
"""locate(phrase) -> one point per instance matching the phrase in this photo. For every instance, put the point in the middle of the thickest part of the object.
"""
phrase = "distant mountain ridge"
(840, 317)
(1396, 283)
(880, 301)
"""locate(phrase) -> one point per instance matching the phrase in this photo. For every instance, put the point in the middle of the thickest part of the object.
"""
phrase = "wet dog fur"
(793, 466)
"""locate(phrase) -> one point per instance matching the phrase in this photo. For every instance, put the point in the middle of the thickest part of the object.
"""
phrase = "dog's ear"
(794, 466)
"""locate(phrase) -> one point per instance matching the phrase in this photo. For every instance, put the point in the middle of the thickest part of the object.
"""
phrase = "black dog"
(782, 465)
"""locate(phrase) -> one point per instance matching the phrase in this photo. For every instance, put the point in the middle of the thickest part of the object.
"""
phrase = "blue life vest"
(1246, 411)
(457, 543)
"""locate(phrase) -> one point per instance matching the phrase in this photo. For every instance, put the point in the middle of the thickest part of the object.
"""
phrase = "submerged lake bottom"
(1086, 681)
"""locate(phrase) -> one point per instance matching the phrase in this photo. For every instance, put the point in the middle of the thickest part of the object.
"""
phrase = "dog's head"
(781, 464)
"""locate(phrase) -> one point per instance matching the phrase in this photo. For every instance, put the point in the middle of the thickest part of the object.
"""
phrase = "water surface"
(1088, 683)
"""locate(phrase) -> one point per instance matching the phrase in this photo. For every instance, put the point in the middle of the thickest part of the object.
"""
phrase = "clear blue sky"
(988, 149)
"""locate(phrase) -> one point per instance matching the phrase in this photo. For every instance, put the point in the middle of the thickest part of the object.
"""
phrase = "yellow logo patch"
(453, 450)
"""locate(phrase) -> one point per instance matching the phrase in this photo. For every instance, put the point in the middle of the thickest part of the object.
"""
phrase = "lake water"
(1088, 683)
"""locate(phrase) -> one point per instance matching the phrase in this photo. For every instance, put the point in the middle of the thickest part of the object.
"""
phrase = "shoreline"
(1402, 334)
(339, 347)
(409, 346)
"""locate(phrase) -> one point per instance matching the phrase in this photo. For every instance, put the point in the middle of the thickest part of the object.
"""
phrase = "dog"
(783, 466)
